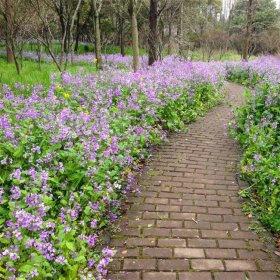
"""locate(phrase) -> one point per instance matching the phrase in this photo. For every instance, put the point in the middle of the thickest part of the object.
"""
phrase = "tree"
(97, 5)
(263, 17)
(49, 12)
(134, 31)
(9, 31)
(248, 30)
(121, 7)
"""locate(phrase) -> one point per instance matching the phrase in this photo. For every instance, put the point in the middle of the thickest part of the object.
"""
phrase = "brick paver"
(186, 224)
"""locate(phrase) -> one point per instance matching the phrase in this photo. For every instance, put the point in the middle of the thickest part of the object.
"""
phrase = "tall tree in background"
(153, 39)
(134, 31)
(153, 36)
(120, 7)
(97, 5)
(247, 34)
(9, 31)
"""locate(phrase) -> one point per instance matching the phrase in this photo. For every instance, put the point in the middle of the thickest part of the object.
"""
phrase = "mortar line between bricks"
(187, 222)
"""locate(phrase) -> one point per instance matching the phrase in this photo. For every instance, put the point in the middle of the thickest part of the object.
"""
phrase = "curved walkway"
(186, 224)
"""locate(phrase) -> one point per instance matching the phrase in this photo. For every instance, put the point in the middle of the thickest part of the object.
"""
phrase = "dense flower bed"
(257, 127)
(68, 157)
(109, 60)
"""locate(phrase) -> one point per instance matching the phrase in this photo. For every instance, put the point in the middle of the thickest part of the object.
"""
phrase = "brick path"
(186, 224)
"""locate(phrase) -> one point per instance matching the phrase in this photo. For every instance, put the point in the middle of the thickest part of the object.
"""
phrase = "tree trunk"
(9, 31)
(153, 40)
(180, 30)
(134, 31)
(98, 43)
(169, 38)
(247, 31)
(76, 48)
(121, 35)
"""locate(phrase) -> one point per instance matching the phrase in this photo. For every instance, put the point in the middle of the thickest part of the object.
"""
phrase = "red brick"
(139, 264)
(214, 234)
(209, 218)
(209, 265)
(224, 226)
(243, 235)
(195, 276)
(155, 200)
(126, 252)
(206, 203)
(202, 243)
(141, 223)
(229, 276)
(252, 255)
(267, 265)
(173, 265)
(129, 232)
(125, 276)
(156, 232)
(220, 211)
(263, 276)
(188, 253)
(197, 224)
(185, 233)
(169, 195)
(240, 265)
(232, 244)
(220, 253)
(157, 252)
(159, 276)
(168, 208)
(169, 224)
(171, 242)
(149, 242)
(155, 215)
(194, 209)
(182, 216)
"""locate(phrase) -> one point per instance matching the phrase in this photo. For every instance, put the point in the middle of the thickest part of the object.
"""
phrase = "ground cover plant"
(257, 128)
(68, 156)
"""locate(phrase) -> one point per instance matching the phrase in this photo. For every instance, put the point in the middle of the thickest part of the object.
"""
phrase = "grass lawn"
(32, 75)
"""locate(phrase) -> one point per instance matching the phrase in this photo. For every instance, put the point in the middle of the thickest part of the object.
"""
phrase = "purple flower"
(257, 158)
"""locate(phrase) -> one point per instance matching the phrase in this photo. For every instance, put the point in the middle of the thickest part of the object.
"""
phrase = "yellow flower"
(58, 87)
(87, 112)
(95, 60)
(66, 95)
(109, 140)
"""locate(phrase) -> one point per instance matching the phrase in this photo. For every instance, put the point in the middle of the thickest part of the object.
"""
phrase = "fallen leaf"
(277, 253)
(194, 220)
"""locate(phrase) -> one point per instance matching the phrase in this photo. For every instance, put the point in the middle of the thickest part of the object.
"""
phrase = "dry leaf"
(194, 220)
(277, 253)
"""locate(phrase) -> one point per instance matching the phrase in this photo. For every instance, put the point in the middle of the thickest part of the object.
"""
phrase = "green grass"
(228, 56)
(32, 75)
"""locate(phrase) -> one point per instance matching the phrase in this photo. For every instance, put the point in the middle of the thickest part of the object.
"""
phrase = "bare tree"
(134, 31)
(247, 34)
(97, 5)
(121, 7)
(47, 12)
(153, 39)
(9, 31)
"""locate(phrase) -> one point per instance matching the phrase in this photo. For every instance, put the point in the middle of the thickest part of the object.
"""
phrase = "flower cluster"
(109, 60)
(257, 127)
(68, 155)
